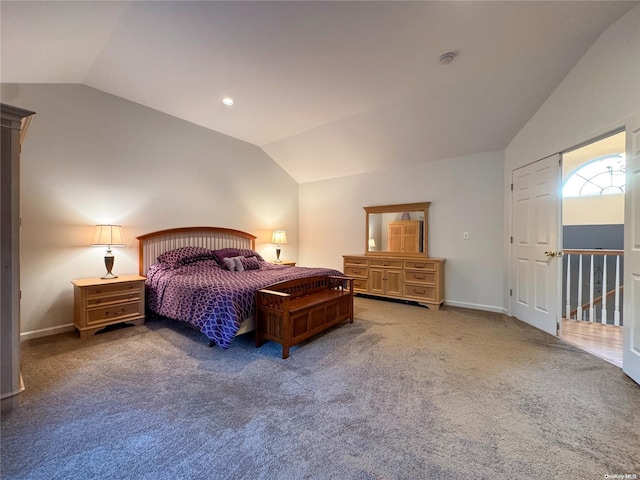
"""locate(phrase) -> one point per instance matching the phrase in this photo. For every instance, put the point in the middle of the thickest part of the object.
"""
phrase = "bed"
(208, 278)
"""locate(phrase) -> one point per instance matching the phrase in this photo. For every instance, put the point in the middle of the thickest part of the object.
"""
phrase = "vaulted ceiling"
(325, 88)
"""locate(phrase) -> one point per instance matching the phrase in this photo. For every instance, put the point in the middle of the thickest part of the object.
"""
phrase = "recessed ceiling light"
(228, 101)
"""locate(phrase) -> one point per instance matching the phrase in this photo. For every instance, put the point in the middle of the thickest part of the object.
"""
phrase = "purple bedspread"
(213, 299)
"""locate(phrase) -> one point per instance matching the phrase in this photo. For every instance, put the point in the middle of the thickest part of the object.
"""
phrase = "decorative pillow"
(220, 255)
(238, 262)
(184, 255)
(233, 264)
(250, 263)
(244, 252)
(229, 263)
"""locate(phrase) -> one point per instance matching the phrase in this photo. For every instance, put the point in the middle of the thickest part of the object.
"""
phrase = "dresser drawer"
(362, 272)
(427, 278)
(386, 263)
(428, 265)
(95, 290)
(360, 284)
(356, 261)
(420, 292)
(114, 313)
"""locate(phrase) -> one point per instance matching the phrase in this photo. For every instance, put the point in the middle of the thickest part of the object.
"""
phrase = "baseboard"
(45, 332)
(475, 306)
(451, 303)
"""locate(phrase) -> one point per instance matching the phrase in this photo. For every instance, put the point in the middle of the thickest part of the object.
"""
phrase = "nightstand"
(100, 302)
(291, 263)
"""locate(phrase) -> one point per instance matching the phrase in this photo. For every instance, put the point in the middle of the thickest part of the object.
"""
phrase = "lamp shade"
(108, 235)
(279, 237)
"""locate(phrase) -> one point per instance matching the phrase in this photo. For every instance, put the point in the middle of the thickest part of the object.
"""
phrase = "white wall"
(598, 96)
(90, 157)
(596, 210)
(465, 195)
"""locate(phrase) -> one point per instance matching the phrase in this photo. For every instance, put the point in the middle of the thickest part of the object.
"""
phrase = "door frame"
(631, 326)
(604, 133)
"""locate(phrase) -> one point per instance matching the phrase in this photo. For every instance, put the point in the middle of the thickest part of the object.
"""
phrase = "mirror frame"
(399, 208)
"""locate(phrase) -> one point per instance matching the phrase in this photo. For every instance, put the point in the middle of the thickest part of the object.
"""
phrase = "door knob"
(550, 253)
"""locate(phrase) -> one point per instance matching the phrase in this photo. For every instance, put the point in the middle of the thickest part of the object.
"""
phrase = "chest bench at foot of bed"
(293, 311)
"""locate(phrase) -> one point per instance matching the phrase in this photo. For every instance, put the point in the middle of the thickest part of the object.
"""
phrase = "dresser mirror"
(399, 229)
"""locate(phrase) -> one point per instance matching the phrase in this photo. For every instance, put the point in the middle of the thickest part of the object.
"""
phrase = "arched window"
(601, 176)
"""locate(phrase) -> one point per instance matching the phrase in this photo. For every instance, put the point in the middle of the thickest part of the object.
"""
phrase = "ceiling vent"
(447, 58)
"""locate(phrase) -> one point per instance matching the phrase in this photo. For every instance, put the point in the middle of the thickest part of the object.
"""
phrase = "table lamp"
(279, 237)
(109, 236)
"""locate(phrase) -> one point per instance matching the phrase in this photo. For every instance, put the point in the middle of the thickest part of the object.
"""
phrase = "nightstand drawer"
(115, 288)
(428, 278)
(131, 296)
(114, 313)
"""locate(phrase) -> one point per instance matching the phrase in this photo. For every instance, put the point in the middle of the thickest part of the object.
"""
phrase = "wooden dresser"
(101, 302)
(416, 279)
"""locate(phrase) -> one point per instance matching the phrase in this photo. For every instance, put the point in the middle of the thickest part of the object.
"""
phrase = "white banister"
(591, 282)
(579, 312)
(616, 308)
(588, 309)
(603, 316)
(568, 306)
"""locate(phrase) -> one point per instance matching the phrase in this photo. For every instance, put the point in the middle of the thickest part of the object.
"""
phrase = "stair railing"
(588, 310)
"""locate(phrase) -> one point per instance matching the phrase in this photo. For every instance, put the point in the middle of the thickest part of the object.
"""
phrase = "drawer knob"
(99, 290)
(131, 285)
(420, 277)
(131, 295)
(113, 314)
(98, 301)
(422, 292)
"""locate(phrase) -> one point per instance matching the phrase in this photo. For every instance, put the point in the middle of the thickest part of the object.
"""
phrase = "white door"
(535, 264)
(631, 307)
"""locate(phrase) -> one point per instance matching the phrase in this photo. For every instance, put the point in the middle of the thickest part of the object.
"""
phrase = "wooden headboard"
(153, 244)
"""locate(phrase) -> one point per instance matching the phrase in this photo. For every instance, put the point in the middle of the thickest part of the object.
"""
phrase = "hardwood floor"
(604, 341)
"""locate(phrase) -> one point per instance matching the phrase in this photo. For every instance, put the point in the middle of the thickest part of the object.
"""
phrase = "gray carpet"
(402, 393)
